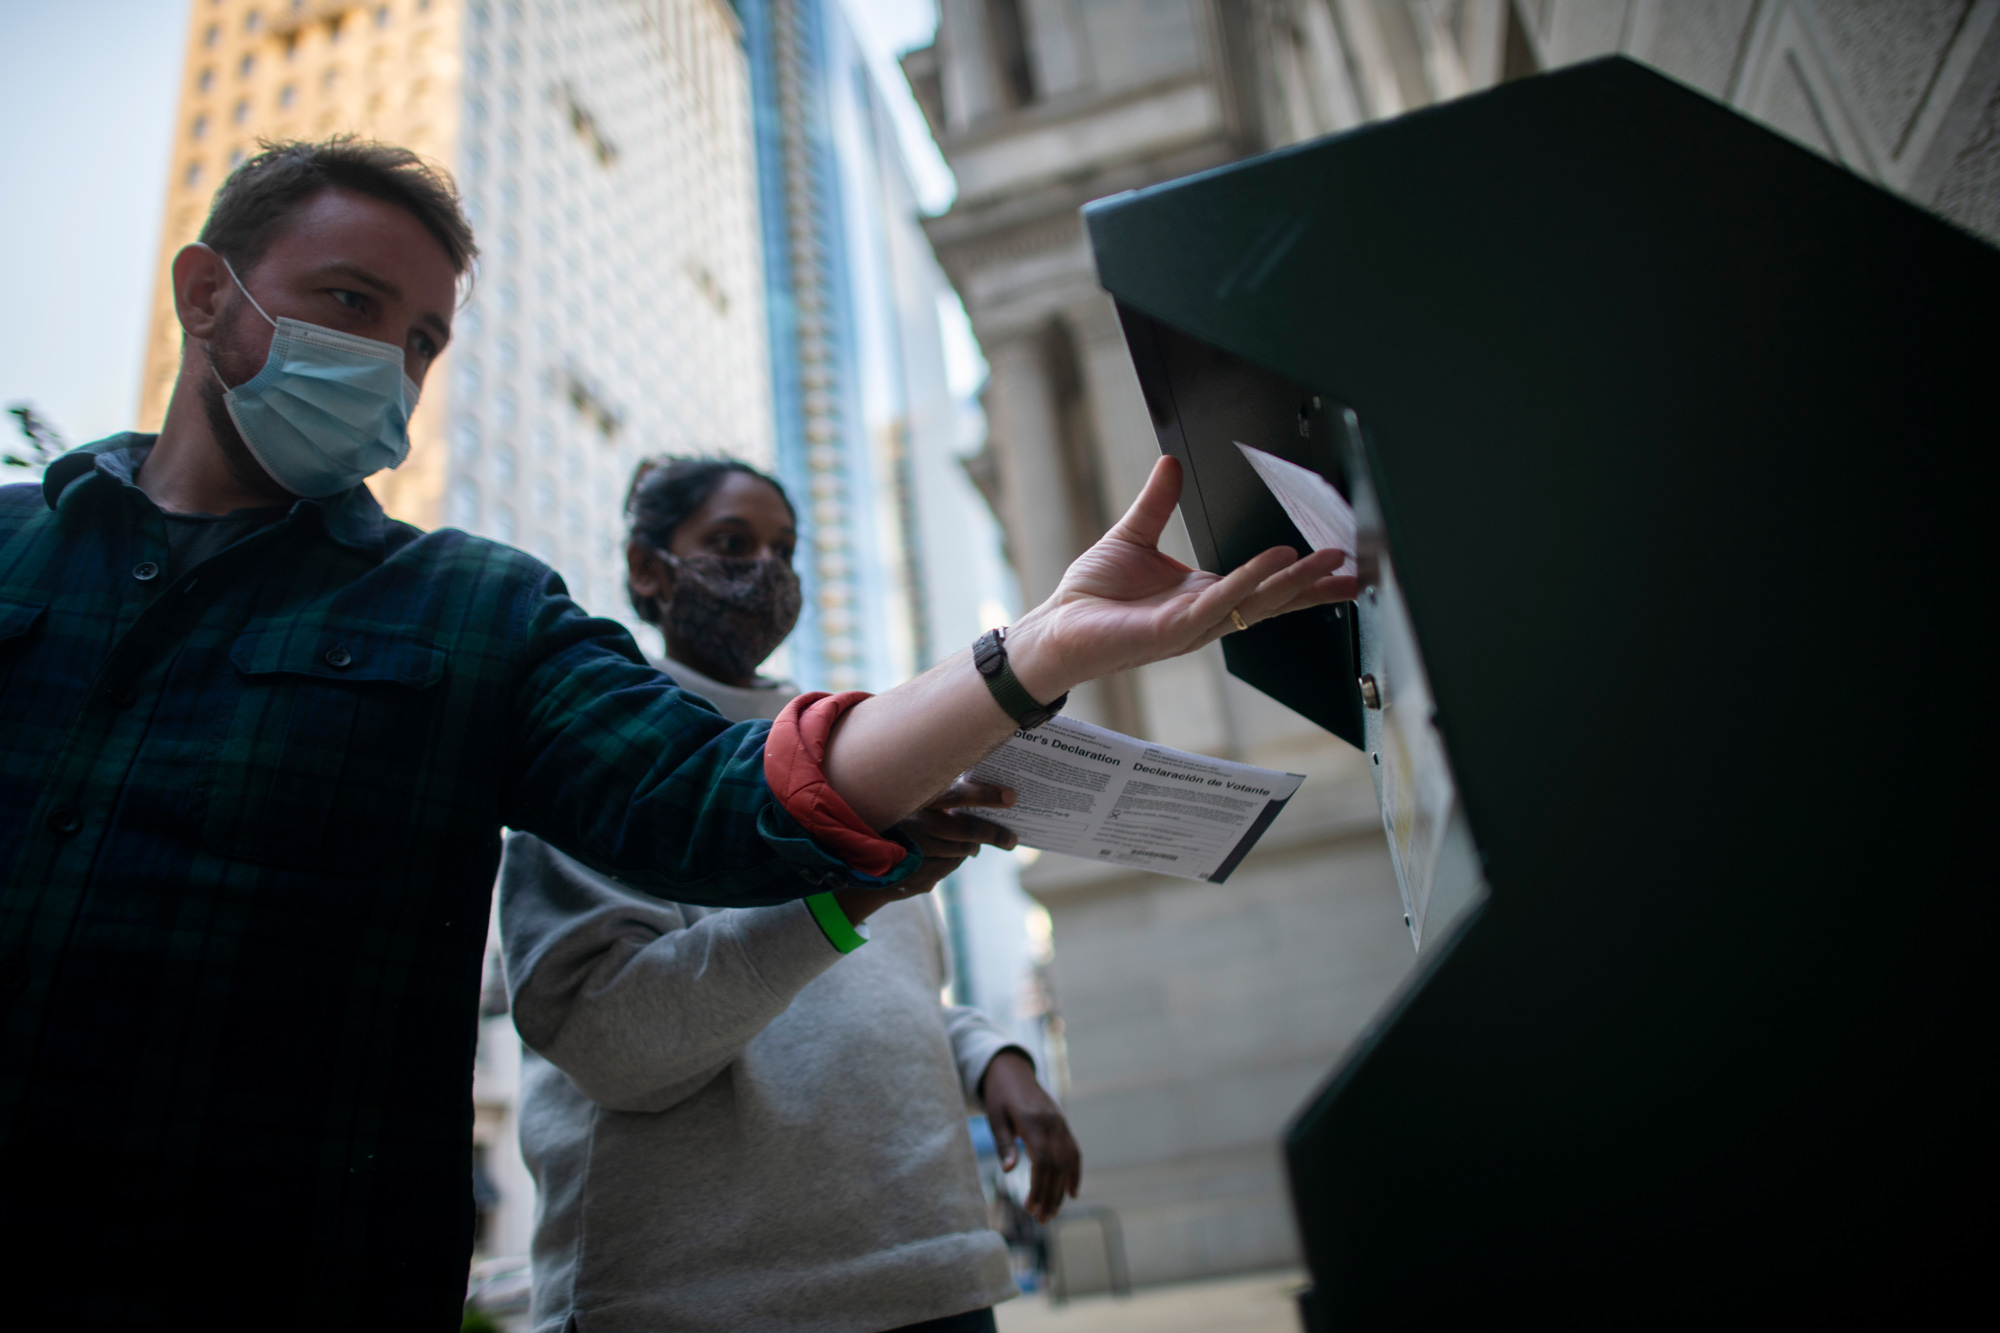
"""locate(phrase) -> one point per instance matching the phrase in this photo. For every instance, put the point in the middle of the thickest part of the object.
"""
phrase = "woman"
(742, 1119)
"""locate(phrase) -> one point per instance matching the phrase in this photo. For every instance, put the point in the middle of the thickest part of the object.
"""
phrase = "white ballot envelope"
(1320, 513)
(1085, 791)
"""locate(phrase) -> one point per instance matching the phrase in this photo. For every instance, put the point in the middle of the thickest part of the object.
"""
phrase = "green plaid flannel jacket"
(250, 815)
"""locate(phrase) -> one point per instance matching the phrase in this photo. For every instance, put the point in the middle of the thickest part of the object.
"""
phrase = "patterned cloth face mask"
(738, 610)
(328, 409)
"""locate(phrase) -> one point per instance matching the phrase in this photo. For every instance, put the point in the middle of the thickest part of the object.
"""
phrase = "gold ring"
(1233, 615)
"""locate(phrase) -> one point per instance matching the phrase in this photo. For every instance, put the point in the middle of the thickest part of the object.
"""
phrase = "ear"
(201, 287)
(647, 574)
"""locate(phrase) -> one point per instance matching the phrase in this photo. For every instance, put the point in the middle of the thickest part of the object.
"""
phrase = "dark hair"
(254, 201)
(665, 492)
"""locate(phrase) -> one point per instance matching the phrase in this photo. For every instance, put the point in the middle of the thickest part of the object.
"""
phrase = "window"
(213, 35)
(242, 112)
(504, 468)
(1014, 71)
(288, 95)
(465, 439)
(206, 80)
(382, 16)
(193, 175)
(236, 156)
(198, 130)
(248, 64)
(503, 523)
(252, 21)
(463, 511)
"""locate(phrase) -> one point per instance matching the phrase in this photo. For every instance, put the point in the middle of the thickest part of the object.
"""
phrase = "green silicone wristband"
(840, 932)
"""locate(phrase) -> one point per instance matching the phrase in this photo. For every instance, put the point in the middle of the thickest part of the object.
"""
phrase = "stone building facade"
(1198, 1018)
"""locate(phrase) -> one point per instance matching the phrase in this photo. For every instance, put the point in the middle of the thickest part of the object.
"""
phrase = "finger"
(972, 829)
(1218, 599)
(1050, 1175)
(1281, 593)
(1064, 1164)
(963, 836)
(967, 792)
(1147, 518)
(1004, 1136)
(1288, 585)
(934, 841)
(1331, 588)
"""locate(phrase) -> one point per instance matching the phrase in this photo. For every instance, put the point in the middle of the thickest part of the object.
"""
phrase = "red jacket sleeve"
(794, 765)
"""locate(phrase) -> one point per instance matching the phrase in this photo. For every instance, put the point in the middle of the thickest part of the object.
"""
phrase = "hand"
(1124, 603)
(944, 838)
(1021, 1111)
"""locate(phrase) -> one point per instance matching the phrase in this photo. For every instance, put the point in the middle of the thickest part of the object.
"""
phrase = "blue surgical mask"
(327, 410)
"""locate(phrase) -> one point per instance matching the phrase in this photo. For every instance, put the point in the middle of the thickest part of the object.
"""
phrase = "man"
(259, 744)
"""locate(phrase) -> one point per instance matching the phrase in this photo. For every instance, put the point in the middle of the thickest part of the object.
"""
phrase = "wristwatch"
(989, 654)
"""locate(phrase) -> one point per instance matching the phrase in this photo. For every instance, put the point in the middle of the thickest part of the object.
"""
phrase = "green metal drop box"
(1670, 446)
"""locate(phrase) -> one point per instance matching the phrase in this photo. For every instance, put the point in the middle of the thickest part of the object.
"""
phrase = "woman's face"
(724, 626)
(744, 518)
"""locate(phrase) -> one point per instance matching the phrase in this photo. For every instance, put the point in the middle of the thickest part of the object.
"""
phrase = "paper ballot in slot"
(1085, 791)
(1320, 513)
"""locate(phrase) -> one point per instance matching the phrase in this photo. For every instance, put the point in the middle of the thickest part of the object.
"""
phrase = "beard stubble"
(227, 358)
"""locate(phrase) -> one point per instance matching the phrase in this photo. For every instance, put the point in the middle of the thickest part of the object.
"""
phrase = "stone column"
(1035, 501)
(1020, 403)
(1178, 702)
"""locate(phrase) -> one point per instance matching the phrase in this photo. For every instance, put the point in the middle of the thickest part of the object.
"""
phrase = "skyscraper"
(900, 557)
(604, 150)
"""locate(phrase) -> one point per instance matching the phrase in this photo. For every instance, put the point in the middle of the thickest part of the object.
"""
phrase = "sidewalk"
(1260, 1303)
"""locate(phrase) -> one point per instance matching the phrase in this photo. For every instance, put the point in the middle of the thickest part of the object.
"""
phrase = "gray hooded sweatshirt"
(732, 1126)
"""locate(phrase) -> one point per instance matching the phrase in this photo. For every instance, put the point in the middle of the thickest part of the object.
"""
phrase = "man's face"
(349, 262)
(342, 260)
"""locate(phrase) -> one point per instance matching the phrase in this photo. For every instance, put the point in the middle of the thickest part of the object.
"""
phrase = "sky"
(86, 122)
(86, 127)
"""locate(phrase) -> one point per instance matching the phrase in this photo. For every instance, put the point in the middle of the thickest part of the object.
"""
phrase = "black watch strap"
(989, 654)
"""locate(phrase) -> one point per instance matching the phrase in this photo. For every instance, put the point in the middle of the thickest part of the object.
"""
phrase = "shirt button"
(65, 821)
(337, 657)
(145, 570)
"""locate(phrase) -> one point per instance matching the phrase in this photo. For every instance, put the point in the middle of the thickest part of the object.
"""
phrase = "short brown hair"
(254, 201)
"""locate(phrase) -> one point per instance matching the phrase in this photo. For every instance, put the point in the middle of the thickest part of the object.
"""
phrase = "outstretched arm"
(1122, 604)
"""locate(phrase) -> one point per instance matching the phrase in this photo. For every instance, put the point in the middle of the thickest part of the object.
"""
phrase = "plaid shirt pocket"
(321, 745)
(16, 620)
